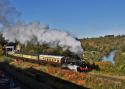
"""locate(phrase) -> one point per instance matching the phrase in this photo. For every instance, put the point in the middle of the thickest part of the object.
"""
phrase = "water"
(110, 57)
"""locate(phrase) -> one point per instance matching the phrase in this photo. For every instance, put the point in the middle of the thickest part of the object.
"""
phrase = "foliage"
(103, 83)
(103, 45)
(2, 43)
(31, 48)
(106, 67)
(2, 40)
(120, 61)
(1, 50)
(96, 48)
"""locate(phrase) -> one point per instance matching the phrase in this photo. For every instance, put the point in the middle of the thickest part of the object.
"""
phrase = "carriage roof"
(52, 56)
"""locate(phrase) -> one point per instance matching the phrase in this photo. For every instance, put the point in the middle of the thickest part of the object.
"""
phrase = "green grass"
(1, 58)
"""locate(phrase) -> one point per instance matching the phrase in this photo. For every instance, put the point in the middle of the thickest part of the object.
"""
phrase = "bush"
(1, 51)
(105, 66)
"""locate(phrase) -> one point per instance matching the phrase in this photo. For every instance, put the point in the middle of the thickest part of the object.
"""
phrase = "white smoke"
(72, 67)
(8, 13)
(23, 32)
(26, 32)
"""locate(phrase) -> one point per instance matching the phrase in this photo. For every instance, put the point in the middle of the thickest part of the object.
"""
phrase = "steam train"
(72, 63)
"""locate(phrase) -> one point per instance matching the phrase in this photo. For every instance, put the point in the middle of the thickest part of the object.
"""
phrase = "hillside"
(96, 48)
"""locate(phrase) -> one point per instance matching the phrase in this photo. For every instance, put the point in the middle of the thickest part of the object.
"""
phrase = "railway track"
(17, 78)
(42, 80)
(7, 81)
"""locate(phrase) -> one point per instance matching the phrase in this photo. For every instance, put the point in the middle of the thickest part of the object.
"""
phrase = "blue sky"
(82, 18)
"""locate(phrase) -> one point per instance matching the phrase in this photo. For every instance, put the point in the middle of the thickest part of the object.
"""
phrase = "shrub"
(106, 66)
(1, 51)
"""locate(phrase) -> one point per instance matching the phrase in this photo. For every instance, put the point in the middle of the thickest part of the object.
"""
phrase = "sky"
(81, 18)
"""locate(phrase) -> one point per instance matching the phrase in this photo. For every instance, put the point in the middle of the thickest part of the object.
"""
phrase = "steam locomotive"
(73, 63)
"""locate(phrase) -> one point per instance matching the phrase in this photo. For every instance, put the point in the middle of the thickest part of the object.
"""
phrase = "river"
(110, 57)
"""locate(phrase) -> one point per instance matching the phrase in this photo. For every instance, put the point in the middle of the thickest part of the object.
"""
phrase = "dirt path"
(112, 77)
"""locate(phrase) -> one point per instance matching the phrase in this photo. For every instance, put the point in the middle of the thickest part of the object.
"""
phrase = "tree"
(1, 50)
(2, 40)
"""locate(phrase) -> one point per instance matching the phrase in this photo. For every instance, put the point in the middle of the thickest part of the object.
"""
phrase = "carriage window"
(43, 58)
(57, 60)
(52, 60)
(47, 59)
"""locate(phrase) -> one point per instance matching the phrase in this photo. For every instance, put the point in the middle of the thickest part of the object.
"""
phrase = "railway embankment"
(35, 79)
(25, 80)
(105, 81)
(58, 78)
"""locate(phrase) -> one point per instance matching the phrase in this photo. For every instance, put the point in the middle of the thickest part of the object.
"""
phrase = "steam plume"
(26, 32)
(8, 13)
(43, 34)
